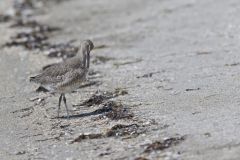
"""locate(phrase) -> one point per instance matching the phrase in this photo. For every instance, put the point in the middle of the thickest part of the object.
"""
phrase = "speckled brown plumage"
(66, 76)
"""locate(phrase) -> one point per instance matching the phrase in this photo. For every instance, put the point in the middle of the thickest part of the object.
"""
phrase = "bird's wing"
(56, 72)
(49, 65)
(74, 62)
(52, 74)
(72, 78)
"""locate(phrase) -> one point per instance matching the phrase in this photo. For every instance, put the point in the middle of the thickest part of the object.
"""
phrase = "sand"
(178, 61)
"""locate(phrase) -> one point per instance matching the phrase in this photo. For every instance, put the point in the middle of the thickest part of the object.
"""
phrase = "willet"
(66, 76)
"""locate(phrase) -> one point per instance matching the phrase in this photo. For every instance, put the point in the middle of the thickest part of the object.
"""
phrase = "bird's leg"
(59, 104)
(65, 102)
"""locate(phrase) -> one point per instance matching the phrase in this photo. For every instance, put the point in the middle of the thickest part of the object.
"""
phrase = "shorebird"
(66, 76)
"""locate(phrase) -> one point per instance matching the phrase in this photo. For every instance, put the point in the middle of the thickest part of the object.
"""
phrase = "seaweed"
(100, 46)
(119, 130)
(100, 97)
(116, 111)
(101, 59)
(192, 89)
(124, 130)
(31, 40)
(87, 136)
(117, 64)
(140, 158)
(148, 75)
(4, 18)
(162, 145)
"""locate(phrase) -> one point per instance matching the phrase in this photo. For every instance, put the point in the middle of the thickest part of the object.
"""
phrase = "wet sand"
(177, 61)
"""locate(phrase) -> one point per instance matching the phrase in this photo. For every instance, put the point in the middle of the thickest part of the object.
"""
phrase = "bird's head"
(86, 47)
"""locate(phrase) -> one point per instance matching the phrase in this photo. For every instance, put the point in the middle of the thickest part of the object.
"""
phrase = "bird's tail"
(31, 79)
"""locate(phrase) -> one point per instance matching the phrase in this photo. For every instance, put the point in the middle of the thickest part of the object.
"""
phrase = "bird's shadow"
(93, 113)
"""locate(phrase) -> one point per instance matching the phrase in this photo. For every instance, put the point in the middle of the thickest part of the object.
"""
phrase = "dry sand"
(179, 62)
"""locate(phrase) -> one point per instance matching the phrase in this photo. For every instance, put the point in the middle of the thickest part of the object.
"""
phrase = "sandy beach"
(163, 84)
